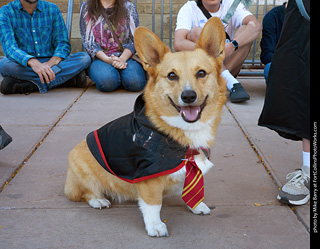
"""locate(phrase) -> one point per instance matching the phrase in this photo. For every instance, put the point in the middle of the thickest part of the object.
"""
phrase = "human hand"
(118, 63)
(43, 70)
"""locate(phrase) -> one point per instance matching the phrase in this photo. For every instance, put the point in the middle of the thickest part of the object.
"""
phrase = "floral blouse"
(97, 36)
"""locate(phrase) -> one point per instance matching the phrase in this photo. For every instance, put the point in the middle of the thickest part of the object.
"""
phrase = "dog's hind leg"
(97, 202)
(150, 202)
(90, 193)
(87, 190)
(82, 182)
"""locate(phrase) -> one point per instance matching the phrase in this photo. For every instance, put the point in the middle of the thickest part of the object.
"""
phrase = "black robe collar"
(132, 148)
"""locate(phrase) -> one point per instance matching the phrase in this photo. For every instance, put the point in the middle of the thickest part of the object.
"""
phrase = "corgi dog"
(174, 122)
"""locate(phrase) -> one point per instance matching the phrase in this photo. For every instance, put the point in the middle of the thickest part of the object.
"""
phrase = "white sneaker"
(297, 190)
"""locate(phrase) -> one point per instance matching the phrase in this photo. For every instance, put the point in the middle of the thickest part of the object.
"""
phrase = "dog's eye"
(201, 74)
(172, 76)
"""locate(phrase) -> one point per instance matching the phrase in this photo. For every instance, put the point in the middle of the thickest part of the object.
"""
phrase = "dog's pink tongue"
(190, 112)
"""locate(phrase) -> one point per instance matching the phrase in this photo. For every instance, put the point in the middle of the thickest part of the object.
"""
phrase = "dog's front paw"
(202, 208)
(99, 203)
(157, 230)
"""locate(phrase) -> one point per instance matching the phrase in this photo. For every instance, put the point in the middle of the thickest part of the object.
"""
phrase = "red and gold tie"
(193, 189)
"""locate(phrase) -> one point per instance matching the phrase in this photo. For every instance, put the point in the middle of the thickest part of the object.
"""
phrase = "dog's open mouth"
(190, 113)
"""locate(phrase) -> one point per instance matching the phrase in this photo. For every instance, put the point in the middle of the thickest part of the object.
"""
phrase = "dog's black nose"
(188, 96)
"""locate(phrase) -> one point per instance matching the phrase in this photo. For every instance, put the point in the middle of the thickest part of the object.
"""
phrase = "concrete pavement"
(251, 162)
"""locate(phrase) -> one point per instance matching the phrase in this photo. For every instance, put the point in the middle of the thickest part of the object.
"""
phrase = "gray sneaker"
(297, 190)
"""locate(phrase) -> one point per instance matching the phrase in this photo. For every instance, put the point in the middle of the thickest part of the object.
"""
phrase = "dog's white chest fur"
(199, 133)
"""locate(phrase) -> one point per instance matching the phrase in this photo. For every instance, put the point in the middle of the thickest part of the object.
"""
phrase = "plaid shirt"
(42, 34)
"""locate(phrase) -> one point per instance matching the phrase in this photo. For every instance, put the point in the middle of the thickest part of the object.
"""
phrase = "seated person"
(271, 30)
(111, 47)
(190, 21)
(34, 38)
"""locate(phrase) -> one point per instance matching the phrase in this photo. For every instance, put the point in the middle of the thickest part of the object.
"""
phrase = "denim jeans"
(266, 70)
(71, 66)
(108, 78)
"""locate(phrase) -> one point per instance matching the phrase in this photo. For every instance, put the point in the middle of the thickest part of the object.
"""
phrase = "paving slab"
(281, 156)
(228, 227)
(27, 119)
(34, 213)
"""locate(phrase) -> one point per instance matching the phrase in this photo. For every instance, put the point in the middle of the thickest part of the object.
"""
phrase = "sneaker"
(297, 190)
(10, 86)
(5, 139)
(238, 94)
(79, 81)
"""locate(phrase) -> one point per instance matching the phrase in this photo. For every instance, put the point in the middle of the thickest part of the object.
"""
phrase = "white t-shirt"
(190, 16)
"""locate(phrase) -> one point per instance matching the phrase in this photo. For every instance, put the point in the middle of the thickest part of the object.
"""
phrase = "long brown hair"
(95, 9)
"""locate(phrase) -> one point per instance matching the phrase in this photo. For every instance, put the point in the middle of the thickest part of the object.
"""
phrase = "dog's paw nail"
(157, 230)
(99, 203)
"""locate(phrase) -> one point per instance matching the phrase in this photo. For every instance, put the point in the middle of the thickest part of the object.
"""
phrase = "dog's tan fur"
(88, 181)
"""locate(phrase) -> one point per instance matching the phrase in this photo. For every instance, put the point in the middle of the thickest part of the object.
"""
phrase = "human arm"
(120, 62)
(251, 31)
(246, 34)
(55, 60)
(269, 39)
(60, 41)
(132, 24)
(7, 37)
(8, 33)
(183, 40)
(43, 70)
(88, 40)
(117, 62)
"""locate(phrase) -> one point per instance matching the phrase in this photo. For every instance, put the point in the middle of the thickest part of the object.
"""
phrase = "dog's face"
(185, 88)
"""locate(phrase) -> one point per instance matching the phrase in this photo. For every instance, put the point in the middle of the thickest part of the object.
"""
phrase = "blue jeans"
(266, 70)
(108, 78)
(71, 66)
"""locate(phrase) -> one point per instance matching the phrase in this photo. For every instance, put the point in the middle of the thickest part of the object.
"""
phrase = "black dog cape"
(131, 148)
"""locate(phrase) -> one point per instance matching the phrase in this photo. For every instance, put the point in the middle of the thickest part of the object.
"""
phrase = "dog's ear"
(212, 38)
(149, 48)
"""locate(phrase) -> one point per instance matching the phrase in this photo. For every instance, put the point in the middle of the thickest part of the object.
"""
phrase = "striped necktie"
(193, 189)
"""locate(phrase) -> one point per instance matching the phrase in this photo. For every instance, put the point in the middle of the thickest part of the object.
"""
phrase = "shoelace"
(297, 176)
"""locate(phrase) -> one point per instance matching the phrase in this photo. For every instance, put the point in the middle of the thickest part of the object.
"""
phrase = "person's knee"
(194, 34)
(134, 84)
(266, 70)
(133, 77)
(5, 65)
(104, 75)
(84, 59)
(105, 83)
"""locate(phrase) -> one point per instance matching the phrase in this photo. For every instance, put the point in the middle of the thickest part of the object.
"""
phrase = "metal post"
(161, 20)
(170, 26)
(69, 18)
(153, 14)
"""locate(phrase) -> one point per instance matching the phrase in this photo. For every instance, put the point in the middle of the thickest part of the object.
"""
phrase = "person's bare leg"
(306, 145)
(234, 61)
